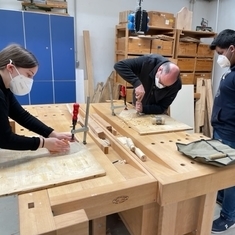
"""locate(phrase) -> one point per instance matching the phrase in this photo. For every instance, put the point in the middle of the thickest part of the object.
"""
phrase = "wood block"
(186, 64)
(161, 19)
(187, 49)
(12, 124)
(161, 47)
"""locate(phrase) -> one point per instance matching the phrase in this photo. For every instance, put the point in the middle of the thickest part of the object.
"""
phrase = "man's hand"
(139, 92)
(139, 107)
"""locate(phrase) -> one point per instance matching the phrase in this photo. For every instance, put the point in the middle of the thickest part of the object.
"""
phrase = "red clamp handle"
(123, 91)
(75, 111)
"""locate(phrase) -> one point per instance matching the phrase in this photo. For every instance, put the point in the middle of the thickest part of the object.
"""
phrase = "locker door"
(12, 31)
(11, 25)
(37, 38)
(62, 35)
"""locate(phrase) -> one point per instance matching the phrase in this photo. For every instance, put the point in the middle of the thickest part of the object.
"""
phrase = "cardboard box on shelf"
(161, 19)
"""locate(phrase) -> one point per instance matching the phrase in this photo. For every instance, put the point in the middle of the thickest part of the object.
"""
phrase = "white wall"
(225, 20)
(100, 18)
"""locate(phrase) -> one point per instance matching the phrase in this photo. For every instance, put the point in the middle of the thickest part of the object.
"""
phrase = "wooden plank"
(88, 58)
(200, 104)
(183, 19)
(97, 93)
(143, 123)
(209, 103)
(29, 170)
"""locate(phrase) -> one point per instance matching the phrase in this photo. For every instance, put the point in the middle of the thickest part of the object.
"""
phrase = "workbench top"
(120, 186)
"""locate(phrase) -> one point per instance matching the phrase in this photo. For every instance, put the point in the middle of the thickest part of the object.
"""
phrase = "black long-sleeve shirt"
(223, 113)
(10, 107)
(142, 70)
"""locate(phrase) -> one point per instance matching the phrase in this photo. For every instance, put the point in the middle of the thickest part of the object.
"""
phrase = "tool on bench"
(123, 95)
(75, 118)
(158, 120)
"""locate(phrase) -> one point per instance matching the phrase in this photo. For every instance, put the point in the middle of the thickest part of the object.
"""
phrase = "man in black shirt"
(155, 79)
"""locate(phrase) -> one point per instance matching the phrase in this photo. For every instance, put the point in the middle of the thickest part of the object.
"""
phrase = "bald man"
(155, 79)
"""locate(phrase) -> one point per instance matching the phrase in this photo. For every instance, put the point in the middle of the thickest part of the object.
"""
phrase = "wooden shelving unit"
(128, 45)
(48, 6)
(194, 58)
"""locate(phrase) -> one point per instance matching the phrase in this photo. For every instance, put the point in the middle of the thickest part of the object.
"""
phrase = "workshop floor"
(9, 224)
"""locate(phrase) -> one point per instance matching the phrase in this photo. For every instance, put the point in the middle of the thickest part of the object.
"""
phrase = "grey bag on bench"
(212, 152)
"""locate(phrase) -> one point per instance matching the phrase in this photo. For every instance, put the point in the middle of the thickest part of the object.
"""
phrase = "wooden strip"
(88, 58)
(200, 105)
(101, 121)
(209, 102)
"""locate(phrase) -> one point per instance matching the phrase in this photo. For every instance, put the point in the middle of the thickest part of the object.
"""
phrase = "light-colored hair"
(19, 56)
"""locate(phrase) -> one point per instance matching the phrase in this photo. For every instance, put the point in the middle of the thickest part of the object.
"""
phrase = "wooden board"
(183, 19)
(143, 124)
(29, 170)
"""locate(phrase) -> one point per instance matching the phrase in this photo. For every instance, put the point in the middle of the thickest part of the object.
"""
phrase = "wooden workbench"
(66, 207)
(186, 189)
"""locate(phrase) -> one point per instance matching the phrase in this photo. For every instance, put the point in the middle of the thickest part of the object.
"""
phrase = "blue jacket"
(142, 70)
(223, 113)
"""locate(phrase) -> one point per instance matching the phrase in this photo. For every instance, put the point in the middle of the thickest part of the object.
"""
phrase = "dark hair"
(224, 39)
(19, 56)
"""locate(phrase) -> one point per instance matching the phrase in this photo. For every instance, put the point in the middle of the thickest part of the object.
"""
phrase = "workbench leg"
(99, 226)
(141, 220)
(167, 219)
(206, 213)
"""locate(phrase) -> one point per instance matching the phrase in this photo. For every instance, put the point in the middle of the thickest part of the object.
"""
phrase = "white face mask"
(158, 84)
(223, 61)
(20, 84)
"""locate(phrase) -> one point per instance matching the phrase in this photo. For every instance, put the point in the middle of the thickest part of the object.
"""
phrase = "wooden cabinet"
(128, 45)
(183, 47)
(194, 58)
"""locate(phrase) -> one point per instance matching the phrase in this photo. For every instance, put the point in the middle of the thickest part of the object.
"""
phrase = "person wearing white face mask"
(155, 79)
(223, 121)
(17, 69)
